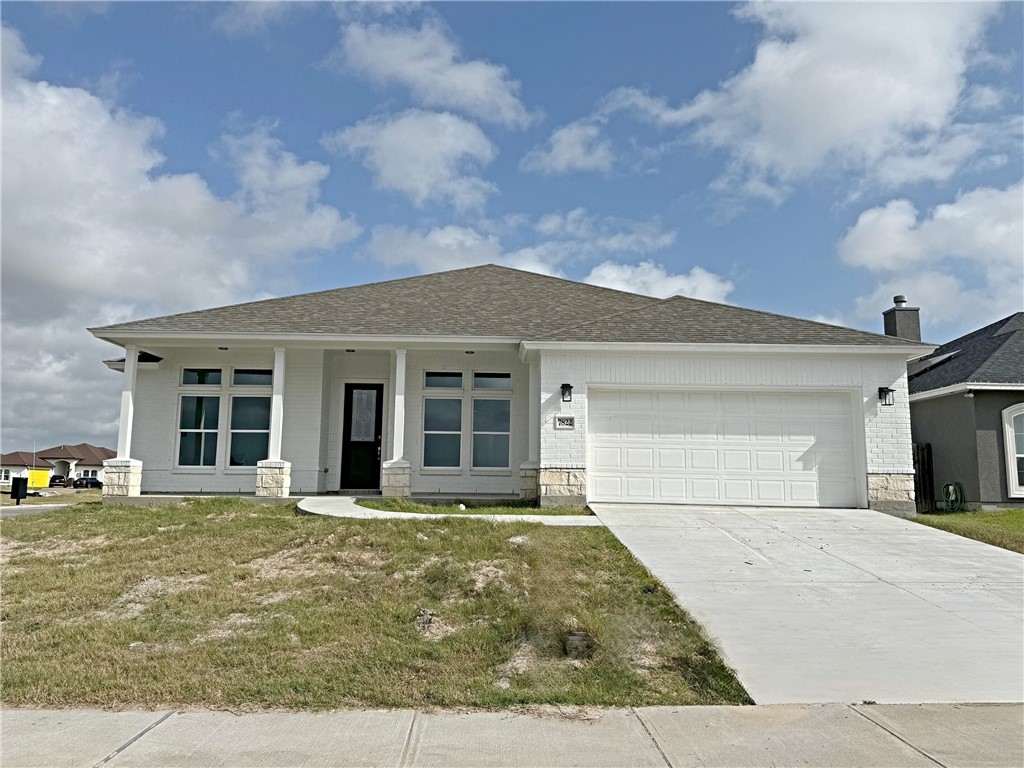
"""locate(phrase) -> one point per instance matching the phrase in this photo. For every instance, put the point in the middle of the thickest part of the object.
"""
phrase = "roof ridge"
(1004, 339)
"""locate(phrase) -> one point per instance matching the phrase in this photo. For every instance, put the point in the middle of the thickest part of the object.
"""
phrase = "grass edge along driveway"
(227, 604)
(1002, 527)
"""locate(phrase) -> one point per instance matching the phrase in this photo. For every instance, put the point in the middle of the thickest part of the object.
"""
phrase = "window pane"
(1020, 470)
(490, 450)
(200, 376)
(250, 413)
(252, 377)
(492, 381)
(491, 415)
(444, 380)
(442, 415)
(209, 449)
(364, 414)
(248, 447)
(189, 449)
(199, 412)
(1018, 432)
(441, 450)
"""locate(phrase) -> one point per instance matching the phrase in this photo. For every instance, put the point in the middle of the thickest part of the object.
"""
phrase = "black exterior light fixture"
(886, 396)
(567, 393)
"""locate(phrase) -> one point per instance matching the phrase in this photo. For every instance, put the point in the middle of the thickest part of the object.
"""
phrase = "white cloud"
(606, 234)
(654, 279)
(425, 155)
(94, 233)
(429, 63)
(238, 19)
(963, 263)
(579, 146)
(438, 249)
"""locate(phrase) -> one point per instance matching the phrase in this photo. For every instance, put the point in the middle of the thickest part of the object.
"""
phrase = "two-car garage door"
(727, 447)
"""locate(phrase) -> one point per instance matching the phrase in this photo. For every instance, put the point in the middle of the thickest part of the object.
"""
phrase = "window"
(252, 377)
(1013, 432)
(498, 381)
(250, 431)
(197, 430)
(203, 376)
(5, 475)
(491, 427)
(442, 380)
(442, 432)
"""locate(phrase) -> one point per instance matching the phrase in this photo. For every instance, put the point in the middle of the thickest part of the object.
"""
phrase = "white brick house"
(494, 382)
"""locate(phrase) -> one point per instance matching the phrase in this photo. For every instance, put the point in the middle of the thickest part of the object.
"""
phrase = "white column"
(124, 429)
(398, 387)
(277, 406)
(535, 426)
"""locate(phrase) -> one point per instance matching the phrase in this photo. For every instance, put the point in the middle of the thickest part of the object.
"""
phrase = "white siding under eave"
(887, 444)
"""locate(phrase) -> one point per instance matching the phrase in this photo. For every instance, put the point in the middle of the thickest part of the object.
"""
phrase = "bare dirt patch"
(523, 660)
(276, 597)
(645, 656)
(234, 625)
(287, 564)
(489, 573)
(58, 546)
(136, 600)
(431, 626)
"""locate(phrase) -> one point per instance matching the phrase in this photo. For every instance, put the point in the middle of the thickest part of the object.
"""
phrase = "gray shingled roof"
(478, 301)
(501, 302)
(991, 355)
(681, 320)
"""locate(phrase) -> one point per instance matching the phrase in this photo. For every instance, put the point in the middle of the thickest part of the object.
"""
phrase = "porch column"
(529, 469)
(395, 474)
(274, 476)
(122, 476)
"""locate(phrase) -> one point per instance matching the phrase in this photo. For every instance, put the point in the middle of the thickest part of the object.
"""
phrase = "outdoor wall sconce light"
(567, 393)
(886, 396)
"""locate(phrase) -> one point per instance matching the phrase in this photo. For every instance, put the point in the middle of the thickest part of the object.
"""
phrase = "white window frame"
(1013, 488)
(439, 393)
(207, 387)
(204, 391)
(506, 396)
(441, 390)
(257, 391)
(5, 476)
(230, 383)
(491, 390)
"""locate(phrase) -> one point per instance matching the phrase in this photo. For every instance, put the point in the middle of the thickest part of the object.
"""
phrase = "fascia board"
(970, 386)
(908, 352)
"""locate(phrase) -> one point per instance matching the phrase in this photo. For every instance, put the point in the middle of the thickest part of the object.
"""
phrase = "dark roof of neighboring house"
(501, 302)
(83, 453)
(681, 320)
(24, 459)
(991, 355)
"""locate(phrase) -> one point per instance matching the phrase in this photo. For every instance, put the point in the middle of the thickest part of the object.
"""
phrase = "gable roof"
(24, 459)
(499, 302)
(682, 320)
(990, 355)
(83, 453)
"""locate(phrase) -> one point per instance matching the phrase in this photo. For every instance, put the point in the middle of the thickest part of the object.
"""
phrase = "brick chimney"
(902, 321)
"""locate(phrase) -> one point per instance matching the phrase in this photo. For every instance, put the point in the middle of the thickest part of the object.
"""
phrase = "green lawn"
(394, 504)
(225, 603)
(1003, 528)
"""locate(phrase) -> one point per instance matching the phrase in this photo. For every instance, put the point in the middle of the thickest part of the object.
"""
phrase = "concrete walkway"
(345, 506)
(827, 735)
(840, 605)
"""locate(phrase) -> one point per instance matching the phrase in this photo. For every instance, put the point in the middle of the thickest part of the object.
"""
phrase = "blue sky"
(808, 159)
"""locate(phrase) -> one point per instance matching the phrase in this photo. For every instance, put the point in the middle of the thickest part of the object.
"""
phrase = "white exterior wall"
(465, 480)
(155, 428)
(886, 429)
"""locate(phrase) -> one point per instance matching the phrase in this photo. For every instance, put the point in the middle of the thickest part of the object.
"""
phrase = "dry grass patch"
(223, 603)
(468, 507)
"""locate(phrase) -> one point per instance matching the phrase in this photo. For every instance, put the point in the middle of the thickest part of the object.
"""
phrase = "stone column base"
(562, 487)
(396, 478)
(273, 479)
(892, 493)
(528, 472)
(122, 478)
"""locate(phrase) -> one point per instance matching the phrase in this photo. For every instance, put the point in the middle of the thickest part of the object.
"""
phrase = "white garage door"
(745, 448)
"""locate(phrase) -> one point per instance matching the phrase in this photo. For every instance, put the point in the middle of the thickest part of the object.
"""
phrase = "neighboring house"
(967, 402)
(24, 464)
(494, 382)
(81, 460)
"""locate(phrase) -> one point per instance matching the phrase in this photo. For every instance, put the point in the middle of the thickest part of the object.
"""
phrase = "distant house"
(24, 464)
(967, 402)
(74, 461)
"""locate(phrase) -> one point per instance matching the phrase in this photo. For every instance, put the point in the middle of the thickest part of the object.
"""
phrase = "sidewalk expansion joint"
(135, 738)
(654, 741)
(895, 735)
(403, 761)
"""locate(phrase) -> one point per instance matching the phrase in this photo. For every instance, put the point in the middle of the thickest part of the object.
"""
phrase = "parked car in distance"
(86, 482)
(58, 481)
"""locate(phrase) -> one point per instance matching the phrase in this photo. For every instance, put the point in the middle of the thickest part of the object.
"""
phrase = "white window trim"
(501, 394)
(203, 391)
(443, 390)
(1013, 489)
(204, 387)
(230, 383)
(256, 391)
(490, 390)
(439, 394)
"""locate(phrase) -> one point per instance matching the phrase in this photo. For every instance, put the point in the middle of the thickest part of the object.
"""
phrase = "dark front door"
(360, 443)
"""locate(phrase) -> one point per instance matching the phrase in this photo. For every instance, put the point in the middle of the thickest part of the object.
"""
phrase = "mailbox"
(19, 489)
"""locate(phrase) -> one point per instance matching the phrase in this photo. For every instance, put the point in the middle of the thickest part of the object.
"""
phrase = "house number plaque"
(565, 422)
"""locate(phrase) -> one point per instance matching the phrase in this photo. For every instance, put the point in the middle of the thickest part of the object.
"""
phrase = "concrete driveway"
(839, 605)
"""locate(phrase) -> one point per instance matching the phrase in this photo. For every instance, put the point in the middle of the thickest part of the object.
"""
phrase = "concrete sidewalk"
(345, 506)
(784, 735)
